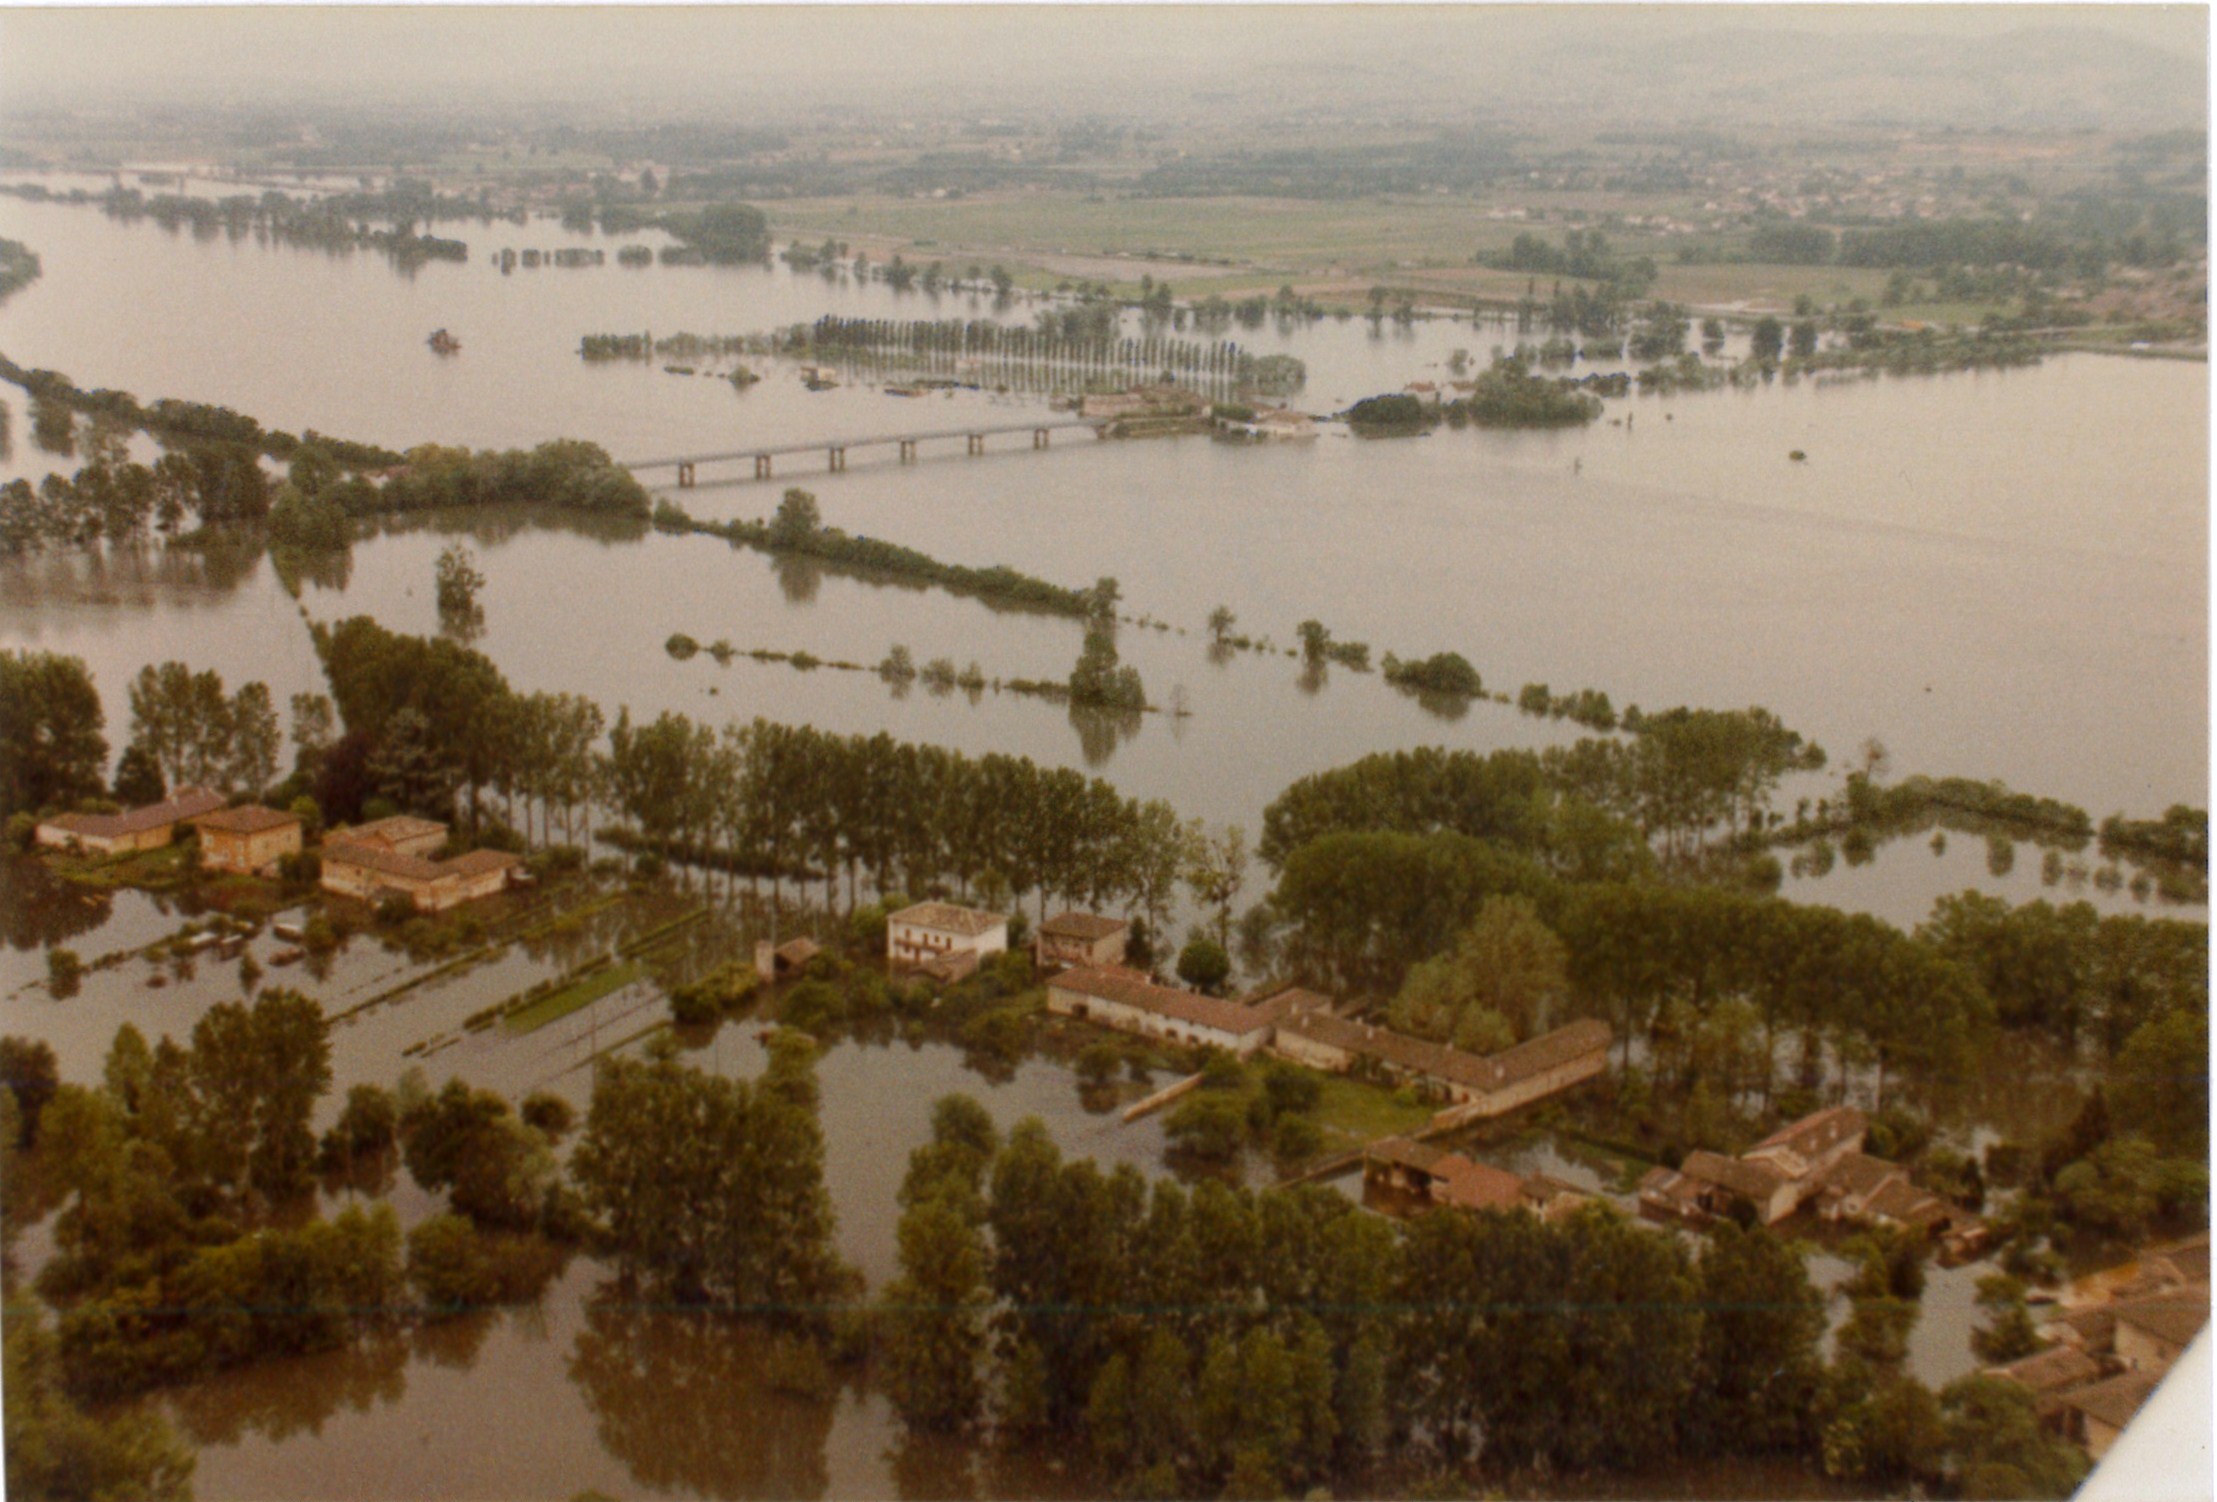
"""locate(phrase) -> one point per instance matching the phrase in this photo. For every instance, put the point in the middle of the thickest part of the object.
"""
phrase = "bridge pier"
(1039, 438)
(762, 466)
(685, 477)
(977, 443)
(908, 451)
(838, 459)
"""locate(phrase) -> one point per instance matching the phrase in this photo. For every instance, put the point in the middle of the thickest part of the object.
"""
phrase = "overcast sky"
(740, 62)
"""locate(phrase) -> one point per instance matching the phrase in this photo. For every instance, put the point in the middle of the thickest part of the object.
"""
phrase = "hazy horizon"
(2067, 65)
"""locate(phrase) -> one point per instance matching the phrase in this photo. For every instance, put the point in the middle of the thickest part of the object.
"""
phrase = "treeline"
(1085, 345)
(565, 474)
(1222, 1342)
(598, 347)
(1507, 395)
(1681, 776)
(798, 528)
(119, 501)
(429, 722)
(2076, 239)
(336, 222)
(186, 422)
(2173, 851)
(122, 502)
(723, 234)
(1585, 254)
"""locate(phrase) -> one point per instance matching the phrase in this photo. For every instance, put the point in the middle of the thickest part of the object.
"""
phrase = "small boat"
(904, 391)
(442, 342)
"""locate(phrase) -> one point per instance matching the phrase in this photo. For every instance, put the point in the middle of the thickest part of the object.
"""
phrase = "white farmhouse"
(943, 937)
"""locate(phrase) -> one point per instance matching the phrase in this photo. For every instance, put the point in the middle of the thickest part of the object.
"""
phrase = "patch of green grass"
(1354, 1111)
(152, 870)
(575, 996)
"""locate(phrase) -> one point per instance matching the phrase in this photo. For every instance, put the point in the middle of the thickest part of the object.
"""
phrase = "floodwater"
(1997, 575)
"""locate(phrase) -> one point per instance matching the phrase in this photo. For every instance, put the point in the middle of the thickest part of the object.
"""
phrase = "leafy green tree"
(2008, 1333)
(56, 1449)
(934, 1317)
(457, 581)
(1768, 339)
(1507, 965)
(1997, 1449)
(797, 522)
(51, 748)
(1757, 1366)
(32, 1075)
(1203, 964)
(138, 778)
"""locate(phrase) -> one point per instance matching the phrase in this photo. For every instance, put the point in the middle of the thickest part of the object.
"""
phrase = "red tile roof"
(1756, 1181)
(2175, 1318)
(186, 804)
(1483, 1075)
(389, 831)
(2113, 1402)
(1469, 1185)
(250, 818)
(1129, 988)
(947, 918)
(1814, 1135)
(1086, 926)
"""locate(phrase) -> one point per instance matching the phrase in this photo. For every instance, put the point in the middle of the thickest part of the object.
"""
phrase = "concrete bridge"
(835, 449)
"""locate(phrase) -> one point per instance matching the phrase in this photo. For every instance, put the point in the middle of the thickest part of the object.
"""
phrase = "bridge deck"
(820, 445)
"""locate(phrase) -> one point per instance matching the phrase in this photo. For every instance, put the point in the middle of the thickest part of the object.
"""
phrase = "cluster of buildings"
(369, 861)
(2109, 1353)
(390, 857)
(1428, 1176)
(1083, 955)
(1815, 1163)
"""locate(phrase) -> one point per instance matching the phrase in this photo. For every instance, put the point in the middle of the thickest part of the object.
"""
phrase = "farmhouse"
(147, 828)
(1433, 1176)
(1075, 939)
(248, 839)
(2095, 1415)
(1812, 1144)
(943, 939)
(1709, 1184)
(2050, 1376)
(1127, 1000)
(1817, 1160)
(364, 862)
(1477, 1087)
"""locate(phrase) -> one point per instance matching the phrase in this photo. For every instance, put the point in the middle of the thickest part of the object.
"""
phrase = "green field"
(575, 996)
(1354, 1112)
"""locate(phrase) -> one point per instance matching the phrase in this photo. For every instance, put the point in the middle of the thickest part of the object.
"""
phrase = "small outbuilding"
(1078, 939)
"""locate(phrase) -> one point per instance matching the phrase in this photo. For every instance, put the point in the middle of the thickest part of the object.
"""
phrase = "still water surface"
(2000, 575)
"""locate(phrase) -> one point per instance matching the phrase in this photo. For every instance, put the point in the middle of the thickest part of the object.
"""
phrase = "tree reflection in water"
(281, 1399)
(39, 910)
(798, 577)
(683, 1399)
(1101, 731)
